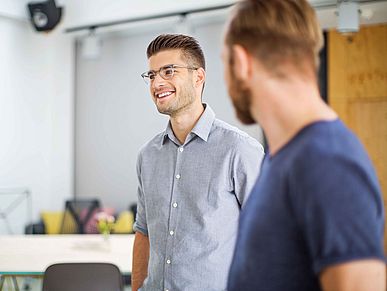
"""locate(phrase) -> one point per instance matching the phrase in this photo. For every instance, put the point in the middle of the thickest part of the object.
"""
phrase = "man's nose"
(158, 81)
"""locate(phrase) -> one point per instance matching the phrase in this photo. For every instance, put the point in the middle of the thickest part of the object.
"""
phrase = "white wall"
(36, 113)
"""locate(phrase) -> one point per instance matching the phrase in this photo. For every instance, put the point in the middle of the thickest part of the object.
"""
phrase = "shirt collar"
(203, 126)
(201, 129)
(168, 133)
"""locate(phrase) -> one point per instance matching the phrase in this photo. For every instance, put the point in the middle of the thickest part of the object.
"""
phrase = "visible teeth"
(165, 94)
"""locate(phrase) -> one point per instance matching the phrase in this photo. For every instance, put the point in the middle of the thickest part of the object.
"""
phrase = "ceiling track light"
(44, 16)
(348, 16)
(91, 45)
(183, 26)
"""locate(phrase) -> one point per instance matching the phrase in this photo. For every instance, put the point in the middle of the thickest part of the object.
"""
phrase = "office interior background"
(74, 110)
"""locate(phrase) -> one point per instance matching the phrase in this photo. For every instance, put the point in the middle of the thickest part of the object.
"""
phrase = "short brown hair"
(275, 31)
(187, 44)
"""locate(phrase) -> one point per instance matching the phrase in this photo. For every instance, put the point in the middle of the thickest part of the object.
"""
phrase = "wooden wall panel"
(357, 90)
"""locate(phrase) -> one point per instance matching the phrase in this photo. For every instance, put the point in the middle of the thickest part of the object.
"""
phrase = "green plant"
(105, 223)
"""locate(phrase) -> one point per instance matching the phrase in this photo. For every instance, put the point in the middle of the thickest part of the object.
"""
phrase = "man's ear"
(200, 76)
(242, 62)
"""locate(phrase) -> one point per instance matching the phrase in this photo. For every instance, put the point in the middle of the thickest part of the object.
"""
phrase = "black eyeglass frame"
(146, 75)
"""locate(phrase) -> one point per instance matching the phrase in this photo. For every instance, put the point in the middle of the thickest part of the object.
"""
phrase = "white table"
(32, 254)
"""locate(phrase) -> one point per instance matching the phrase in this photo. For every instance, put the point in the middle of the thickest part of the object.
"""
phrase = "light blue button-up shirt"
(189, 199)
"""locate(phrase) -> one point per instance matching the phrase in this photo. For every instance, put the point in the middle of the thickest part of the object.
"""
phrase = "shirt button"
(171, 232)
(168, 262)
(178, 176)
(174, 205)
(181, 149)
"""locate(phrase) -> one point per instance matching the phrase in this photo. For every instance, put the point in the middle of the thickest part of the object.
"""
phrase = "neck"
(284, 108)
(183, 122)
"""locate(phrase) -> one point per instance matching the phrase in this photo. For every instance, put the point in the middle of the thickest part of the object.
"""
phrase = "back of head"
(277, 32)
(189, 46)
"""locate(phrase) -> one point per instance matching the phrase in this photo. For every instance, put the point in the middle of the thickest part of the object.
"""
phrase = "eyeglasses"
(165, 72)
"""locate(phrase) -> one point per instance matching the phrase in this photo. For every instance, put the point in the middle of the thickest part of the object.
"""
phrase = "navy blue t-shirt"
(317, 202)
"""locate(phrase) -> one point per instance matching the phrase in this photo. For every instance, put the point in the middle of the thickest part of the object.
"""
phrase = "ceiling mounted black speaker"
(44, 15)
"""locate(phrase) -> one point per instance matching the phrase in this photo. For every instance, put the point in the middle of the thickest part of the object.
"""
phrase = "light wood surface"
(32, 254)
(357, 90)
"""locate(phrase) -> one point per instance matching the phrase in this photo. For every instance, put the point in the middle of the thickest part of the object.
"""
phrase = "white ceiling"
(90, 12)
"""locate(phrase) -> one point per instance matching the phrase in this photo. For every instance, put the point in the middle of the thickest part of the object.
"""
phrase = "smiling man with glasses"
(194, 178)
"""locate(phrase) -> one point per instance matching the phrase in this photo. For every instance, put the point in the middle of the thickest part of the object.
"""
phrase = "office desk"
(32, 254)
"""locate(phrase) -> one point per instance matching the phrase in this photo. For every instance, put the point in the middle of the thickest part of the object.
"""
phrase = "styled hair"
(276, 31)
(188, 45)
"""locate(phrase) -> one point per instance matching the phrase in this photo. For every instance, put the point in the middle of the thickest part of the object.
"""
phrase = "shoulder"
(329, 159)
(233, 136)
(329, 143)
(152, 145)
(333, 165)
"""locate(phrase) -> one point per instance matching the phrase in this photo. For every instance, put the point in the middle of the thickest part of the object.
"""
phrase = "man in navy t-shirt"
(315, 218)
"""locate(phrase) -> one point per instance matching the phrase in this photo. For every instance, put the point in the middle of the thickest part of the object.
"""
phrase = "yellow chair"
(53, 222)
(124, 222)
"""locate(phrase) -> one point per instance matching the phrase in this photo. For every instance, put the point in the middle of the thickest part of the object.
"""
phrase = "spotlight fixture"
(44, 15)
(183, 26)
(91, 45)
(349, 14)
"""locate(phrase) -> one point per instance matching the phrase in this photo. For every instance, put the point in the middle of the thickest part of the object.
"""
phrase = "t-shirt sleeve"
(140, 224)
(245, 167)
(338, 205)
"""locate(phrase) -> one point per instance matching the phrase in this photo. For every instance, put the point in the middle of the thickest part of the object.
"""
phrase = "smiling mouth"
(164, 94)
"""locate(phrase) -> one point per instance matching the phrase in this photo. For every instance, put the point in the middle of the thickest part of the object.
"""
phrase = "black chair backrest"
(82, 277)
(79, 211)
(133, 208)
